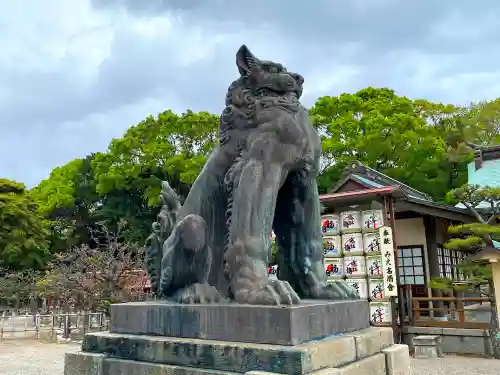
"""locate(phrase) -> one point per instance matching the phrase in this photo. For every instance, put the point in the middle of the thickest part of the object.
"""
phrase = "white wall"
(412, 232)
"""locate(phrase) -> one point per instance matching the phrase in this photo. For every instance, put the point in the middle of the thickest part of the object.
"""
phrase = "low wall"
(454, 340)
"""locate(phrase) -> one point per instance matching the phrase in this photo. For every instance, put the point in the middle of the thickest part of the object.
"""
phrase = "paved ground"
(27, 357)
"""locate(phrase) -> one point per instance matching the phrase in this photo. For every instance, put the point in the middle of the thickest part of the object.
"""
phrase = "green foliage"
(18, 287)
(482, 123)
(58, 190)
(121, 186)
(389, 133)
(473, 236)
(23, 232)
(475, 276)
(170, 147)
(68, 200)
(421, 143)
(479, 234)
(273, 252)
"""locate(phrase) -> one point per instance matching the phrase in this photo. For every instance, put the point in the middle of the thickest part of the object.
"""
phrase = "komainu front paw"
(275, 292)
(334, 290)
(197, 294)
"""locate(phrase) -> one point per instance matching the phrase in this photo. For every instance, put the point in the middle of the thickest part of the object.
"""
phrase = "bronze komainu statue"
(262, 176)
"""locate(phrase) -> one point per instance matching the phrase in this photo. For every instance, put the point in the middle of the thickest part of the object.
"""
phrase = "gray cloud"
(76, 75)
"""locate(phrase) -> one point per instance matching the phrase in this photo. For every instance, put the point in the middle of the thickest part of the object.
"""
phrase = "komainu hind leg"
(186, 263)
(299, 242)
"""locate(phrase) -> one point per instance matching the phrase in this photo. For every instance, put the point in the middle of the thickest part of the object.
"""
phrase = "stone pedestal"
(158, 338)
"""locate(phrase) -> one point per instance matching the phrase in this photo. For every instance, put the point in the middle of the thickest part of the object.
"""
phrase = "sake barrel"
(330, 224)
(332, 246)
(352, 244)
(371, 242)
(354, 266)
(360, 285)
(374, 265)
(273, 272)
(350, 221)
(380, 313)
(376, 289)
(372, 220)
(334, 267)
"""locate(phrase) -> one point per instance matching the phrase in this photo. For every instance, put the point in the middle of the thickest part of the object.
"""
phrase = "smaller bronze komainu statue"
(262, 176)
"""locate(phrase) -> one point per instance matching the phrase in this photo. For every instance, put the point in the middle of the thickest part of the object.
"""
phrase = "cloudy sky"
(75, 74)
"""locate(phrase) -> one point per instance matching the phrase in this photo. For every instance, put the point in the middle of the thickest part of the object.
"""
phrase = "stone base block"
(397, 360)
(281, 325)
(106, 353)
(428, 347)
(84, 364)
(374, 365)
(426, 352)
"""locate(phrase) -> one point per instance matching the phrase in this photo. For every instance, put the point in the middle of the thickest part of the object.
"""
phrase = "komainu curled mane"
(262, 176)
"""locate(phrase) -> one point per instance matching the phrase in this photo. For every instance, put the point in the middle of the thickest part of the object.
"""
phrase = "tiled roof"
(359, 193)
(368, 181)
(371, 178)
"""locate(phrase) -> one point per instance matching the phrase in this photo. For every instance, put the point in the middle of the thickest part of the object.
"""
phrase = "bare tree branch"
(93, 277)
(473, 211)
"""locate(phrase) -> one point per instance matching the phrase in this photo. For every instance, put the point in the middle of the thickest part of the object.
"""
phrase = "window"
(411, 265)
(448, 259)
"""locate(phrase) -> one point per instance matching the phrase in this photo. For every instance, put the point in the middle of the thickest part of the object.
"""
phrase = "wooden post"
(409, 296)
(86, 322)
(390, 219)
(13, 319)
(461, 310)
(2, 320)
(52, 325)
(495, 271)
(78, 319)
(26, 317)
(416, 310)
(38, 321)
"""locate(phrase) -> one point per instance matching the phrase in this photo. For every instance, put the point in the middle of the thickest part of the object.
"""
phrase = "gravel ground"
(455, 365)
(28, 357)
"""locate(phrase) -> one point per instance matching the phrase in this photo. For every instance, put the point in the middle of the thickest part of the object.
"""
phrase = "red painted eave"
(387, 190)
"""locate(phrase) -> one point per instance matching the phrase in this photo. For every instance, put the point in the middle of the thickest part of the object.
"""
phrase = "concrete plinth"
(362, 351)
(427, 347)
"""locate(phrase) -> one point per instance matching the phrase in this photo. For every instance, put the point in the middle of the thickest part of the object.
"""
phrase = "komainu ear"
(245, 60)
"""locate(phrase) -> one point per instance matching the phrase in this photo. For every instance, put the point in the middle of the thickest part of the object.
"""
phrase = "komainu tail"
(162, 228)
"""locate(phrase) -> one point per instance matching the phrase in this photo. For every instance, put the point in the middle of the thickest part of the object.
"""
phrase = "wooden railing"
(452, 307)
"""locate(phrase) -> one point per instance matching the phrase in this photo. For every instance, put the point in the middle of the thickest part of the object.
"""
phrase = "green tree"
(122, 185)
(389, 133)
(482, 123)
(76, 213)
(67, 199)
(484, 203)
(170, 147)
(23, 232)
(58, 190)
